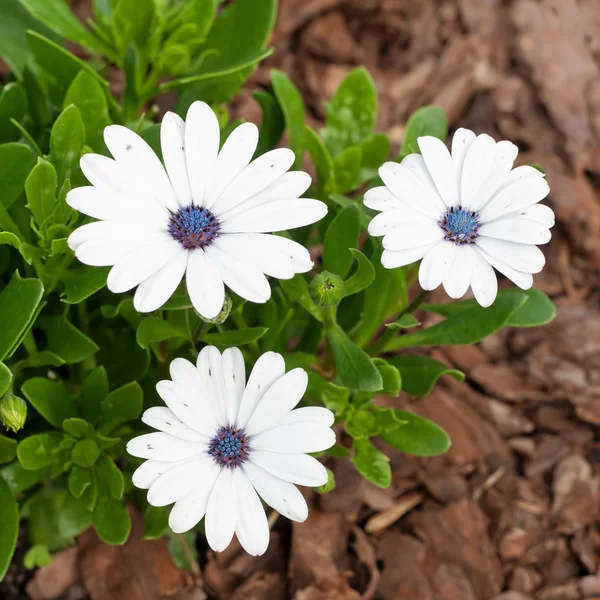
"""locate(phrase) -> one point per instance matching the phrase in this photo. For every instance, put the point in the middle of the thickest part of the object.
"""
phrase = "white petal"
(256, 249)
(139, 264)
(113, 231)
(268, 369)
(257, 176)
(179, 481)
(279, 399)
(149, 471)
(381, 198)
(210, 370)
(282, 496)
(298, 255)
(301, 469)
(392, 259)
(308, 414)
(522, 257)
(516, 196)
(163, 419)
(243, 278)
(289, 186)
(435, 265)
(441, 168)
(413, 235)
(476, 169)
(202, 136)
(411, 190)
(153, 292)
(386, 221)
(536, 212)
(105, 172)
(233, 158)
(190, 407)
(221, 512)
(523, 280)
(279, 215)
(234, 375)
(483, 280)
(164, 447)
(141, 163)
(172, 141)
(416, 165)
(105, 252)
(188, 511)
(457, 279)
(296, 438)
(461, 141)
(252, 527)
(204, 284)
(522, 231)
(505, 156)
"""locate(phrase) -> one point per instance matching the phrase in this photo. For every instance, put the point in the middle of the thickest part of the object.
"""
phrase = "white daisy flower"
(209, 216)
(223, 442)
(463, 213)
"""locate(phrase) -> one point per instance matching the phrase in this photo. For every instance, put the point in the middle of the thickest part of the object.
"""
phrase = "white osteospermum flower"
(208, 216)
(463, 213)
(223, 442)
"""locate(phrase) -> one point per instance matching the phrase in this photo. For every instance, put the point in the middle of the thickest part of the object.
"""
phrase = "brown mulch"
(512, 511)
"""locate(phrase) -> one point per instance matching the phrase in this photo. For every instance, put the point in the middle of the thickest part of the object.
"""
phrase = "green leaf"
(20, 479)
(19, 303)
(108, 472)
(404, 322)
(334, 397)
(329, 486)
(79, 480)
(66, 341)
(420, 373)
(77, 427)
(371, 463)
(428, 120)
(39, 450)
(8, 449)
(354, 367)
(85, 453)
(237, 337)
(272, 123)
(37, 556)
(111, 520)
(392, 380)
(57, 16)
(132, 21)
(154, 329)
(44, 359)
(17, 161)
(89, 496)
(41, 191)
(375, 151)
(351, 113)
(122, 405)
(13, 105)
(122, 356)
(83, 282)
(341, 236)
(296, 289)
(537, 311)
(156, 522)
(9, 532)
(89, 96)
(381, 298)
(321, 160)
(467, 327)
(346, 169)
(418, 436)
(361, 424)
(93, 392)
(67, 140)
(292, 106)
(5, 378)
(363, 277)
(50, 399)
(182, 548)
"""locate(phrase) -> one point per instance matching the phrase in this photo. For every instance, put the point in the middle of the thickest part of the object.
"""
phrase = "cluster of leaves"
(86, 362)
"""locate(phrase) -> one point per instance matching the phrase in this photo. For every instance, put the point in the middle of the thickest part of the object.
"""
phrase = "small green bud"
(327, 289)
(13, 412)
(222, 316)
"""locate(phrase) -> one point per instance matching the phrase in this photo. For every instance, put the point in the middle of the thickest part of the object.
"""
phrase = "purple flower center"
(194, 227)
(460, 225)
(229, 447)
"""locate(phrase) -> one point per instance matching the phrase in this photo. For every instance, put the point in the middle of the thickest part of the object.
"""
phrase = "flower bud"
(222, 316)
(13, 412)
(326, 289)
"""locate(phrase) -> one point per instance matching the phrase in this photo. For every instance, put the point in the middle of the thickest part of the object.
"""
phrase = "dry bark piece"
(261, 586)
(330, 38)
(57, 577)
(403, 505)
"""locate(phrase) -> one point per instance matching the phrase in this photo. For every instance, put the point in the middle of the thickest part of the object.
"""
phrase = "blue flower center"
(460, 225)
(229, 447)
(194, 227)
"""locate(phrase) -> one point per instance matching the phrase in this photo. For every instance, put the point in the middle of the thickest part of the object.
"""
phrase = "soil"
(512, 511)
